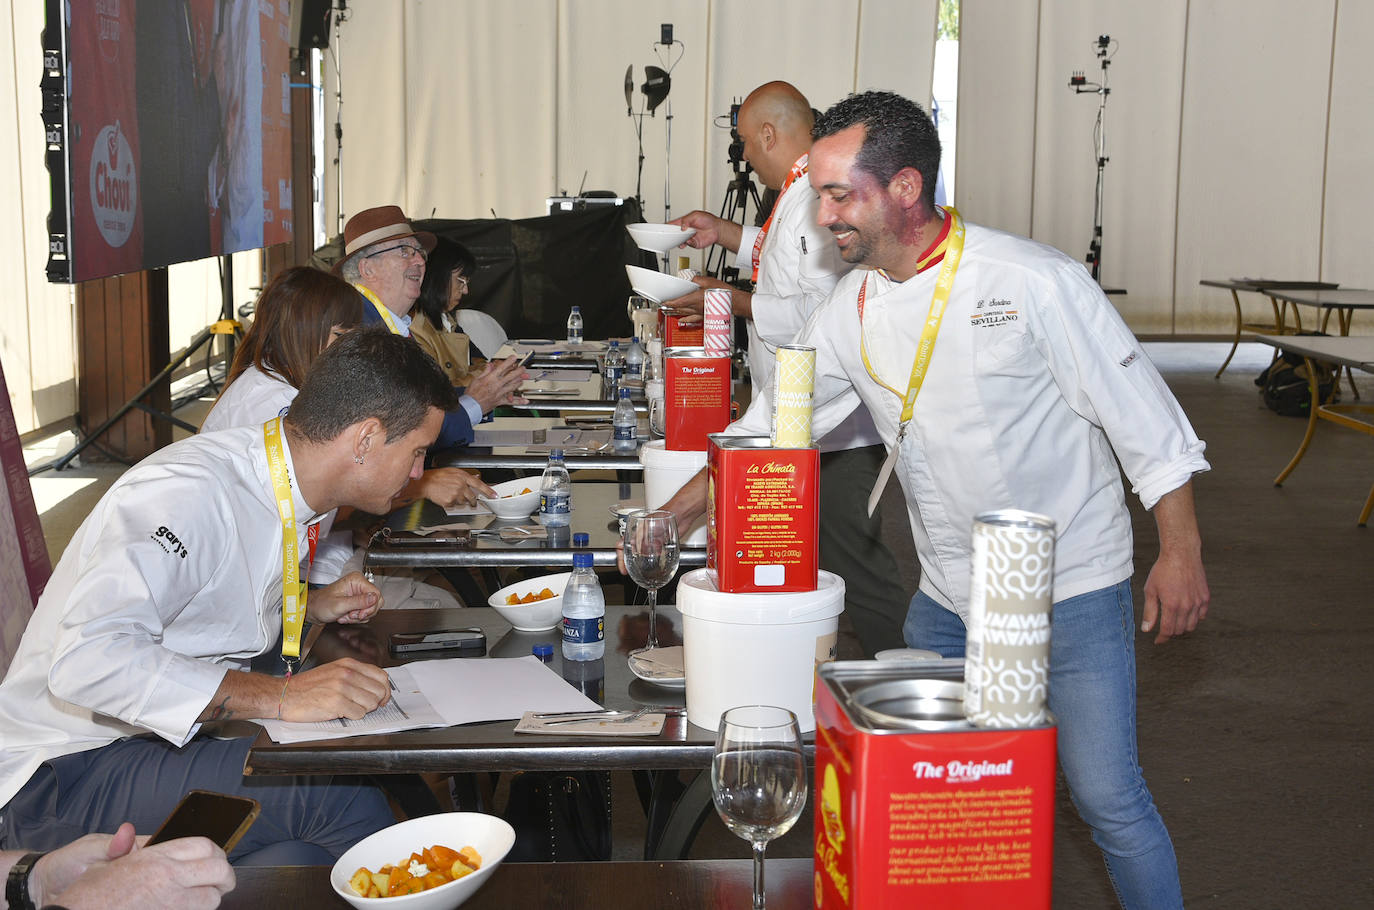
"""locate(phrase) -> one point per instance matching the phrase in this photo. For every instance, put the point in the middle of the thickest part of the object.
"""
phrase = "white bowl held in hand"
(490, 836)
(539, 616)
(657, 286)
(509, 502)
(659, 238)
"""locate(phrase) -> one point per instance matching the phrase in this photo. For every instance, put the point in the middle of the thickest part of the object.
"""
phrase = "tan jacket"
(449, 349)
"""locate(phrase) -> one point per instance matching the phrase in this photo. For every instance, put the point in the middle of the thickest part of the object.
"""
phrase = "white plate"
(667, 682)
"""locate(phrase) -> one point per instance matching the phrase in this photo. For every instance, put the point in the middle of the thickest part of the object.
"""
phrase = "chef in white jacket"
(1001, 377)
(182, 574)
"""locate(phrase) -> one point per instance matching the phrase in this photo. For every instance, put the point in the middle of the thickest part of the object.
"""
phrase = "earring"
(358, 459)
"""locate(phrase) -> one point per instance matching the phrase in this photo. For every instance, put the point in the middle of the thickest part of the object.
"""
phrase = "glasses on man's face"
(407, 251)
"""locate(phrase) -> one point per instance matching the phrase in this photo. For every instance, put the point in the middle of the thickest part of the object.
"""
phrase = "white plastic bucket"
(755, 649)
(665, 472)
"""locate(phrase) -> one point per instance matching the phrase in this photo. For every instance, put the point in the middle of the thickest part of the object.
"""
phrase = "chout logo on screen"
(114, 185)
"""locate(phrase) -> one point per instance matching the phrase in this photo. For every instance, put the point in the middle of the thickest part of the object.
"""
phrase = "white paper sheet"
(422, 696)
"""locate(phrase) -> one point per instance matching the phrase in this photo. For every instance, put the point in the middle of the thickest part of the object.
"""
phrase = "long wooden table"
(688, 885)
(1350, 352)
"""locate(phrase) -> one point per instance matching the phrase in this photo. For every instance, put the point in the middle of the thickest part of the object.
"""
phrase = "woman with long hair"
(440, 326)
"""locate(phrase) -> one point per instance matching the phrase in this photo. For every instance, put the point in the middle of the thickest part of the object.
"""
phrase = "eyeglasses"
(408, 252)
(460, 282)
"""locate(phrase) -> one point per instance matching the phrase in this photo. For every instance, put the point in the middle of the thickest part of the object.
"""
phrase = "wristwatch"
(17, 883)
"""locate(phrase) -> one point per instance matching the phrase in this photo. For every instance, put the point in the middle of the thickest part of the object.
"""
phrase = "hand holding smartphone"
(203, 813)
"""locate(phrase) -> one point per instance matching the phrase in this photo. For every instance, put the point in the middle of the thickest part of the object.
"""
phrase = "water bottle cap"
(616, 345)
(582, 560)
(555, 453)
(634, 339)
(581, 539)
(542, 650)
(624, 393)
(577, 309)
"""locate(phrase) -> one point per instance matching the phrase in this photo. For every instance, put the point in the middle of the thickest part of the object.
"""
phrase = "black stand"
(1080, 85)
(226, 325)
(735, 208)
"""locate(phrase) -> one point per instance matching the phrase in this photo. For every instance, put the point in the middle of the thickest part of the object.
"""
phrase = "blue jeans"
(304, 820)
(1092, 694)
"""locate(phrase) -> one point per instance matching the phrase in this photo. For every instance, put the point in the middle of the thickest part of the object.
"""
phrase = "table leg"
(1235, 342)
(682, 821)
(1312, 418)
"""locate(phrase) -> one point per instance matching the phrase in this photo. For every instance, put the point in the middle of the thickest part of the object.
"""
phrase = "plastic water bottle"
(555, 493)
(584, 613)
(634, 360)
(575, 326)
(614, 367)
(624, 423)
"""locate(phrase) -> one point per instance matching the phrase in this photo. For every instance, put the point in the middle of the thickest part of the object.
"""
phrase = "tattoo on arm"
(222, 711)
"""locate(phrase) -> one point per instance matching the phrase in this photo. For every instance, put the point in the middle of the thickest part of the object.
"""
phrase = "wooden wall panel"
(122, 342)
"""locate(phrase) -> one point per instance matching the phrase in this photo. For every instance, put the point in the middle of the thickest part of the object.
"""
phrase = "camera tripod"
(735, 208)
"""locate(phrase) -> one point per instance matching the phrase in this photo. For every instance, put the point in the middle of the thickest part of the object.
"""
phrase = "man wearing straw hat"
(795, 265)
(1023, 388)
(384, 258)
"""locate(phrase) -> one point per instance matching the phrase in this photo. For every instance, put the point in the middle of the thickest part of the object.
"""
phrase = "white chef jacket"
(1034, 382)
(798, 267)
(252, 399)
(173, 579)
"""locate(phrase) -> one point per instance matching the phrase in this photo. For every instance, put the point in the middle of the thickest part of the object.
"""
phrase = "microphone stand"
(1080, 85)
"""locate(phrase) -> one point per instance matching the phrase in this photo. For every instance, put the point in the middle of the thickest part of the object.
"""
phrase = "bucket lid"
(698, 597)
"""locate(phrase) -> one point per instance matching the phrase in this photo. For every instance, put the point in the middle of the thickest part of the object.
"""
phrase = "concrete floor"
(1256, 731)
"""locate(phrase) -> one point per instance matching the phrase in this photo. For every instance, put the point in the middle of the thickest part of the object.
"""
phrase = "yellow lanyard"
(925, 348)
(798, 170)
(387, 316)
(293, 592)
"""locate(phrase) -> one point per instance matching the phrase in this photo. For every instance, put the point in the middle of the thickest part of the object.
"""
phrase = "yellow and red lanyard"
(387, 316)
(950, 249)
(293, 587)
(798, 170)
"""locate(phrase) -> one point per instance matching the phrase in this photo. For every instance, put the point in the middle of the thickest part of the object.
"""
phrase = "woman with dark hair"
(298, 314)
(439, 326)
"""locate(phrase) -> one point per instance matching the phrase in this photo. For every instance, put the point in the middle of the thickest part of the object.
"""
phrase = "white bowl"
(490, 836)
(509, 502)
(659, 238)
(658, 286)
(540, 616)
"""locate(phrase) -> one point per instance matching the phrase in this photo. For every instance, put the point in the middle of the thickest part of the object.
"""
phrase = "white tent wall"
(526, 97)
(1238, 133)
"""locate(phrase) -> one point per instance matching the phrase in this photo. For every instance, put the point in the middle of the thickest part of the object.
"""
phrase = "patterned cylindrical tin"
(715, 334)
(1007, 662)
(794, 382)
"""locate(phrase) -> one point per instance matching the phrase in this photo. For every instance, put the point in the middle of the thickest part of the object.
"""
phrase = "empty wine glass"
(651, 554)
(758, 777)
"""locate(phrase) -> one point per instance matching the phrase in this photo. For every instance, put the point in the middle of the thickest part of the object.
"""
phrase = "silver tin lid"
(1015, 518)
(695, 353)
(725, 441)
(896, 697)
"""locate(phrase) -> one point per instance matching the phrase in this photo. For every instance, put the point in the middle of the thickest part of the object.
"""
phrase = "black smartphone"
(450, 642)
(203, 813)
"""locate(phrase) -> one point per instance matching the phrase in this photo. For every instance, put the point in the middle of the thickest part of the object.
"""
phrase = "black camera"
(736, 151)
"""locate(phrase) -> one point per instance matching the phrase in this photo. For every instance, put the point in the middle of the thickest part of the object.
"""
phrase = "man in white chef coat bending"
(1000, 377)
(192, 564)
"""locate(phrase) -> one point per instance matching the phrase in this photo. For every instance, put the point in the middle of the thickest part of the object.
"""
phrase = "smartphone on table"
(203, 813)
(445, 642)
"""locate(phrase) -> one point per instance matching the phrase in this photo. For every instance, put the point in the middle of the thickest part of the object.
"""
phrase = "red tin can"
(678, 336)
(696, 388)
(763, 515)
(915, 807)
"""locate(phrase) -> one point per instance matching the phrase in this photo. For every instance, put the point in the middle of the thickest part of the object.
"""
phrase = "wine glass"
(651, 552)
(758, 777)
